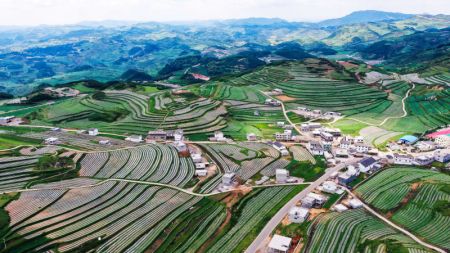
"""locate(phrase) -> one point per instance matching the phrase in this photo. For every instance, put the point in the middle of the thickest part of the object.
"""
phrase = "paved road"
(258, 243)
(390, 223)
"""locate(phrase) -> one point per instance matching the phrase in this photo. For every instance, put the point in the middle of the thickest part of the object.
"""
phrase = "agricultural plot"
(249, 217)
(81, 141)
(377, 136)
(125, 216)
(301, 154)
(355, 231)
(244, 159)
(128, 112)
(417, 198)
(232, 91)
(153, 162)
(443, 79)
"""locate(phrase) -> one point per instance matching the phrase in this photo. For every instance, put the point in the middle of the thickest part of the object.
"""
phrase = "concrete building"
(156, 135)
(279, 244)
(361, 148)
(281, 175)
(298, 214)
(403, 159)
(200, 166)
(280, 124)
(424, 160)
(425, 146)
(219, 136)
(344, 144)
(442, 141)
(367, 164)
(355, 203)
(316, 148)
(318, 198)
(408, 139)
(329, 187)
(178, 135)
(326, 136)
(285, 136)
(181, 146)
(201, 173)
(104, 142)
(341, 153)
(308, 202)
(340, 208)
(197, 158)
(280, 147)
(51, 141)
(134, 138)
(228, 178)
(442, 156)
(93, 131)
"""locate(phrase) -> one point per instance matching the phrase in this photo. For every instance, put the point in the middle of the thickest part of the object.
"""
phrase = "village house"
(280, 124)
(156, 135)
(200, 166)
(279, 244)
(442, 156)
(262, 180)
(316, 148)
(280, 147)
(424, 160)
(281, 175)
(306, 127)
(6, 120)
(333, 114)
(442, 141)
(424, 146)
(326, 136)
(178, 135)
(104, 142)
(298, 214)
(134, 138)
(181, 146)
(358, 139)
(252, 137)
(317, 112)
(403, 159)
(329, 187)
(52, 141)
(340, 208)
(93, 131)
(201, 173)
(228, 179)
(196, 158)
(333, 131)
(272, 102)
(308, 202)
(344, 144)
(368, 164)
(343, 153)
(362, 148)
(285, 136)
(277, 91)
(327, 145)
(319, 199)
(349, 175)
(355, 203)
(408, 140)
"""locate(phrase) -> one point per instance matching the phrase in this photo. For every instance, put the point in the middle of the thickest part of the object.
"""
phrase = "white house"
(228, 178)
(326, 136)
(367, 164)
(218, 136)
(134, 138)
(281, 175)
(424, 159)
(442, 156)
(104, 142)
(318, 198)
(285, 136)
(279, 244)
(200, 166)
(181, 146)
(442, 140)
(355, 203)
(6, 120)
(93, 131)
(252, 137)
(316, 148)
(280, 147)
(341, 152)
(178, 135)
(51, 141)
(197, 158)
(344, 144)
(425, 145)
(277, 91)
(201, 173)
(308, 202)
(340, 208)
(329, 187)
(280, 124)
(298, 214)
(362, 148)
(403, 159)
(358, 139)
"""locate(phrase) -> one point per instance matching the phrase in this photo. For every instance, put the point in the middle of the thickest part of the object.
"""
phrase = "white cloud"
(34, 12)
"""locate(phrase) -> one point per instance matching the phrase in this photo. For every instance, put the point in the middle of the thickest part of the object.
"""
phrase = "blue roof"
(409, 138)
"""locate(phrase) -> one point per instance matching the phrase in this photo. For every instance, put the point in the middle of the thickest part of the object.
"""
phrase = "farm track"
(148, 183)
(405, 113)
(390, 223)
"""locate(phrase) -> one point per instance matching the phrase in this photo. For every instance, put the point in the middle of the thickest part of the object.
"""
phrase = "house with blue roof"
(408, 139)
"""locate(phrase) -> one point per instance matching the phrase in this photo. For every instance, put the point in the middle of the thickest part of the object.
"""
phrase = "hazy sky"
(35, 12)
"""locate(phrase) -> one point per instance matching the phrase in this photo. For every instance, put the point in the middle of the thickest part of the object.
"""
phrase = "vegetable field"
(418, 199)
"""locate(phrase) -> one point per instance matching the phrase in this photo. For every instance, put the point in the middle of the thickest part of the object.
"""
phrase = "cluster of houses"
(61, 92)
(440, 155)
(316, 114)
(219, 137)
(200, 164)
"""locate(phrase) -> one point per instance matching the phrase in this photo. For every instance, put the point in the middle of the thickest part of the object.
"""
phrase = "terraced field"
(128, 112)
(416, 199)
(244, 159)
(19, 172)
(112, 217)
(153, 162)
(443, 79)
(355, 231)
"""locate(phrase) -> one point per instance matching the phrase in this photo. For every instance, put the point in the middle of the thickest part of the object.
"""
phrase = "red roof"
(439, 133)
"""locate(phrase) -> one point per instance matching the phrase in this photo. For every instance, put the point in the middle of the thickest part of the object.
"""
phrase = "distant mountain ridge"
(364, 17)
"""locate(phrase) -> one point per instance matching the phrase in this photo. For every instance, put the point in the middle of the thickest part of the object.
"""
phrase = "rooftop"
(279, 242)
